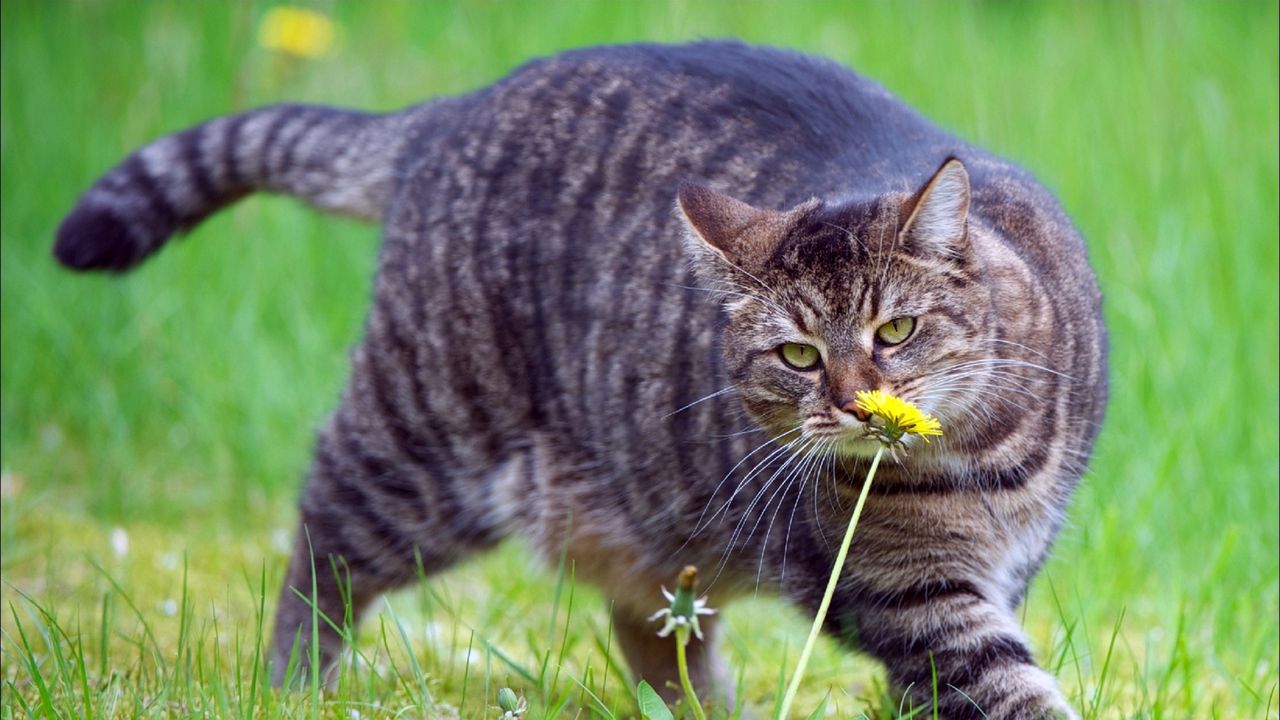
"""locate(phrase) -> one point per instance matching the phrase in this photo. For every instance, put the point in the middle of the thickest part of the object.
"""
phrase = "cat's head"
(826, 300)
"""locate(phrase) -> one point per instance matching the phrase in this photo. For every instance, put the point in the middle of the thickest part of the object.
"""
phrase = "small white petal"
(119, 541)
(281, 540)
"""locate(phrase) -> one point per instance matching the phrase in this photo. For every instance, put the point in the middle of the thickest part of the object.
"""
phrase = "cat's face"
(832, 300)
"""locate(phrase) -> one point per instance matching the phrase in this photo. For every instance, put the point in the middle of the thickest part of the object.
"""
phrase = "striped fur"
(557, 351)
(334, 159)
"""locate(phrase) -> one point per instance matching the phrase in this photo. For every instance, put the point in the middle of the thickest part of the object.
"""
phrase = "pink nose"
(852, 408)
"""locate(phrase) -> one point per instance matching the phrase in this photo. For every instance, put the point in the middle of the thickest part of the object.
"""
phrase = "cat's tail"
(336, 160)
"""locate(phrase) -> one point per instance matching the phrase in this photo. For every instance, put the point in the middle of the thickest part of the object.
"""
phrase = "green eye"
(798, 356)
(896, 330)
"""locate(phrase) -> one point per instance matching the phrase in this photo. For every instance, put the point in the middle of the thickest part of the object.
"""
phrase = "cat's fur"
(567, 345)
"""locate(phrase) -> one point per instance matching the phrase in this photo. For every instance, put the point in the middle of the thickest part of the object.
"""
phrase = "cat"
(623, 303)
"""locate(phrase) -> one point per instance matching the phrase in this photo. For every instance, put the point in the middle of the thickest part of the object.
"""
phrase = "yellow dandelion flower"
(897, 417)
(296, 31)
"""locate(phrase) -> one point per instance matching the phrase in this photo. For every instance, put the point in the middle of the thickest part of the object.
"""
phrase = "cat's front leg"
(951, 631)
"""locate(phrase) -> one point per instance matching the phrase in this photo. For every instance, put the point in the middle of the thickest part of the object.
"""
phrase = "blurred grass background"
(176, 405)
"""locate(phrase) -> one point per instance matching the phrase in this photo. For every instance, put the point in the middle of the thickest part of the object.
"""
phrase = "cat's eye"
(799, 356)
(896, 330)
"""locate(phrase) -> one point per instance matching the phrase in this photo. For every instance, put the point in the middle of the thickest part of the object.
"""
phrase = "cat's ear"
(938, 221)
(744, 235)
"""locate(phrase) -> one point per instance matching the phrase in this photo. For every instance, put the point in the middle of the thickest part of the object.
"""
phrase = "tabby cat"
(624, 300)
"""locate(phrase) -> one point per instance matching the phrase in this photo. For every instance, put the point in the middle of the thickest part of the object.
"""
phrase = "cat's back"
(781, 125)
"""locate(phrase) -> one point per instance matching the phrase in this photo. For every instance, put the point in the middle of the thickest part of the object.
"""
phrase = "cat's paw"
(1023, 692)
(1040, 700)
(1057, 709)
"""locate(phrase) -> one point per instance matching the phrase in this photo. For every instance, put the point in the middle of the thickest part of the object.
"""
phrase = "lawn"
(156, 426)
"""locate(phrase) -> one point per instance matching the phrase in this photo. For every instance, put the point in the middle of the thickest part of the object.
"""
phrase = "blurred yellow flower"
(899, 417)
(296, 31)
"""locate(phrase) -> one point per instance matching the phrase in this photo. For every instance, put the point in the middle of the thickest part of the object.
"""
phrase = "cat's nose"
(852, 408)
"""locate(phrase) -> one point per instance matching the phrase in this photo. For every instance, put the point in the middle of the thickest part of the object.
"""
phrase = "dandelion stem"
(691, 697)
(821, 617)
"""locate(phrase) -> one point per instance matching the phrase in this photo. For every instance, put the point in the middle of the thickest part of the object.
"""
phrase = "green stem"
(831, 590)
(682, 638)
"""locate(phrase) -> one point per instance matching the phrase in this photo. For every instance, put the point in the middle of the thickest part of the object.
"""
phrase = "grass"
(174, 407)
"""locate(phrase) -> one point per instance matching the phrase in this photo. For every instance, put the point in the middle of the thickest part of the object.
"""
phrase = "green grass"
(176, 405)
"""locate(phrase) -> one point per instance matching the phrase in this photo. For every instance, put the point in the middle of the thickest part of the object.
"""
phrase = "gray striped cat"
(624, 300)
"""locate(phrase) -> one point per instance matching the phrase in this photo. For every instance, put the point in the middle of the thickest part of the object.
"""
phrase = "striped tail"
(336, 160)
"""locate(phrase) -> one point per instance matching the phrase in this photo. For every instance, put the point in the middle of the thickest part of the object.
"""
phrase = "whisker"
(829, 486)
(762, 283)
(746, 514)
(994, 384)
(823, 452)
(755, 470)
(717, 393)
(723, 291)
(1018, 345)
(850, 234)
(748, 431)
(1000, 362)
(800, 470)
